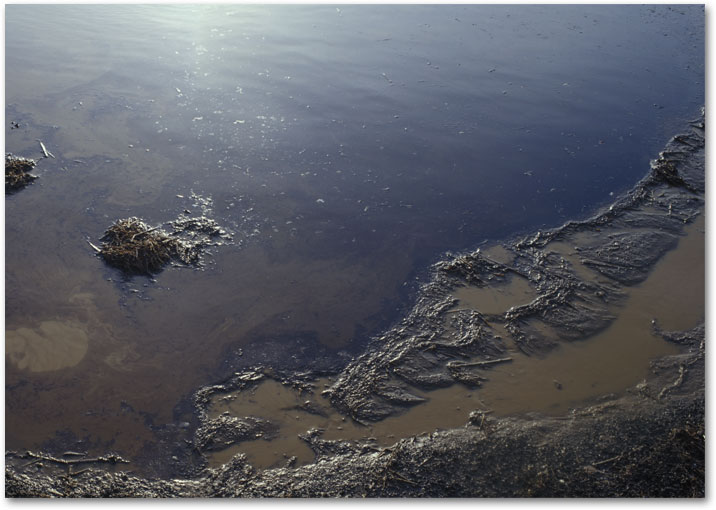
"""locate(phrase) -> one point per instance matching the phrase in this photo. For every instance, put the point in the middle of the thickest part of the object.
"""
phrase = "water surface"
(345, 148)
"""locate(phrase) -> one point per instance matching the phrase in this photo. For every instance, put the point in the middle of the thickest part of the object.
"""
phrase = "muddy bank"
(437, 346)
(648, 442)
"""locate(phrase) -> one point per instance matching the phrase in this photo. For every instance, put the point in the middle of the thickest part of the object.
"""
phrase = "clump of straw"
(17, 174)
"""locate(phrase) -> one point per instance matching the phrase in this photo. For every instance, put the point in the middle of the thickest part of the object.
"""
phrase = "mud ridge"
(624, 243)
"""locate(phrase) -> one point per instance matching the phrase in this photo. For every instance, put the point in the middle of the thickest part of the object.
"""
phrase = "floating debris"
(195, 226)
(47, 153)
(135, 248)
(17, 174)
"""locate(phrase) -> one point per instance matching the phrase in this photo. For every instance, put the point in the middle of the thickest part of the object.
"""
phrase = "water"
(345, 147)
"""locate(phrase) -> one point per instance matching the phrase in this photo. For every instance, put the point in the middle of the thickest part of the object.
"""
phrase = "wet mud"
(479, 314)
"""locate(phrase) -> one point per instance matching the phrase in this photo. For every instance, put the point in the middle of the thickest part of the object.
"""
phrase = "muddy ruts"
(429, 348)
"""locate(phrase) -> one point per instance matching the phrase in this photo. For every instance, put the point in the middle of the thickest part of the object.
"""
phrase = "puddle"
(272, 400)
(573, 374)
(494, 299)
(617, 358)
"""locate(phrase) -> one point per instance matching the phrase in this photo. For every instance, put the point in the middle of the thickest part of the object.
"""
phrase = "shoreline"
(423, 352)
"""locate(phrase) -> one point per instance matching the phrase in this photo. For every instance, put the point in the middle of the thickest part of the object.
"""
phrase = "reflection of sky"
(427, 111)
(435, 116)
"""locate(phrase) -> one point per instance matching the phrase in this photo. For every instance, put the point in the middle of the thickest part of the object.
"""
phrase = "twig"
(616, 457)
(457, 364)
(30, 463)
(94, 247)
(74, 454)
(112, 459)
(143, 232)
(400, 477)
(45, 151)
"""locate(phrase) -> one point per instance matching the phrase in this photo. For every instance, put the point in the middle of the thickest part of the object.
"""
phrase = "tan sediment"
(51, 345)
(618, 357)
(575, 374)
(271, 400)
(280, 404)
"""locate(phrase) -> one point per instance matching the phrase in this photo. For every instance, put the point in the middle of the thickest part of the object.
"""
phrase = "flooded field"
(342, 153)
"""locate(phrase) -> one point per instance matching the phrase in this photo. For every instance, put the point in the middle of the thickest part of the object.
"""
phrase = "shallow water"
(575, 374)
(345, 149)
(496, 298)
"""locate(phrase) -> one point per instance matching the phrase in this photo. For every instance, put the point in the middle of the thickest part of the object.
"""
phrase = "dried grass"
(17, 174)
(134, 247)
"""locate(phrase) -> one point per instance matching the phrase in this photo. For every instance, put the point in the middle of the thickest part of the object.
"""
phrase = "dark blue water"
(345, 147)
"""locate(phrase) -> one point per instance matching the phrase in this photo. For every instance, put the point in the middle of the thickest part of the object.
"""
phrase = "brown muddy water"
(344, 149)
(573, 375)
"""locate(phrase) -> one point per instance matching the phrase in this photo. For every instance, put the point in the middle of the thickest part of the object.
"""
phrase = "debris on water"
(135, 248)
(17, 172)
(199, 225)
(47, 153)
(94, 246)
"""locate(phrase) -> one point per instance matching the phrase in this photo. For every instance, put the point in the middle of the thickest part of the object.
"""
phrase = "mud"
(648, 441)
(626, 240)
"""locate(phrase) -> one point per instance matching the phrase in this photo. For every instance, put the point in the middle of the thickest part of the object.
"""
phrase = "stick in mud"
(478, 363)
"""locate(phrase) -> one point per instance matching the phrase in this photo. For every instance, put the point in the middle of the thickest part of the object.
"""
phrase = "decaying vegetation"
(135, 248)
(138, 249)
(17, 172)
